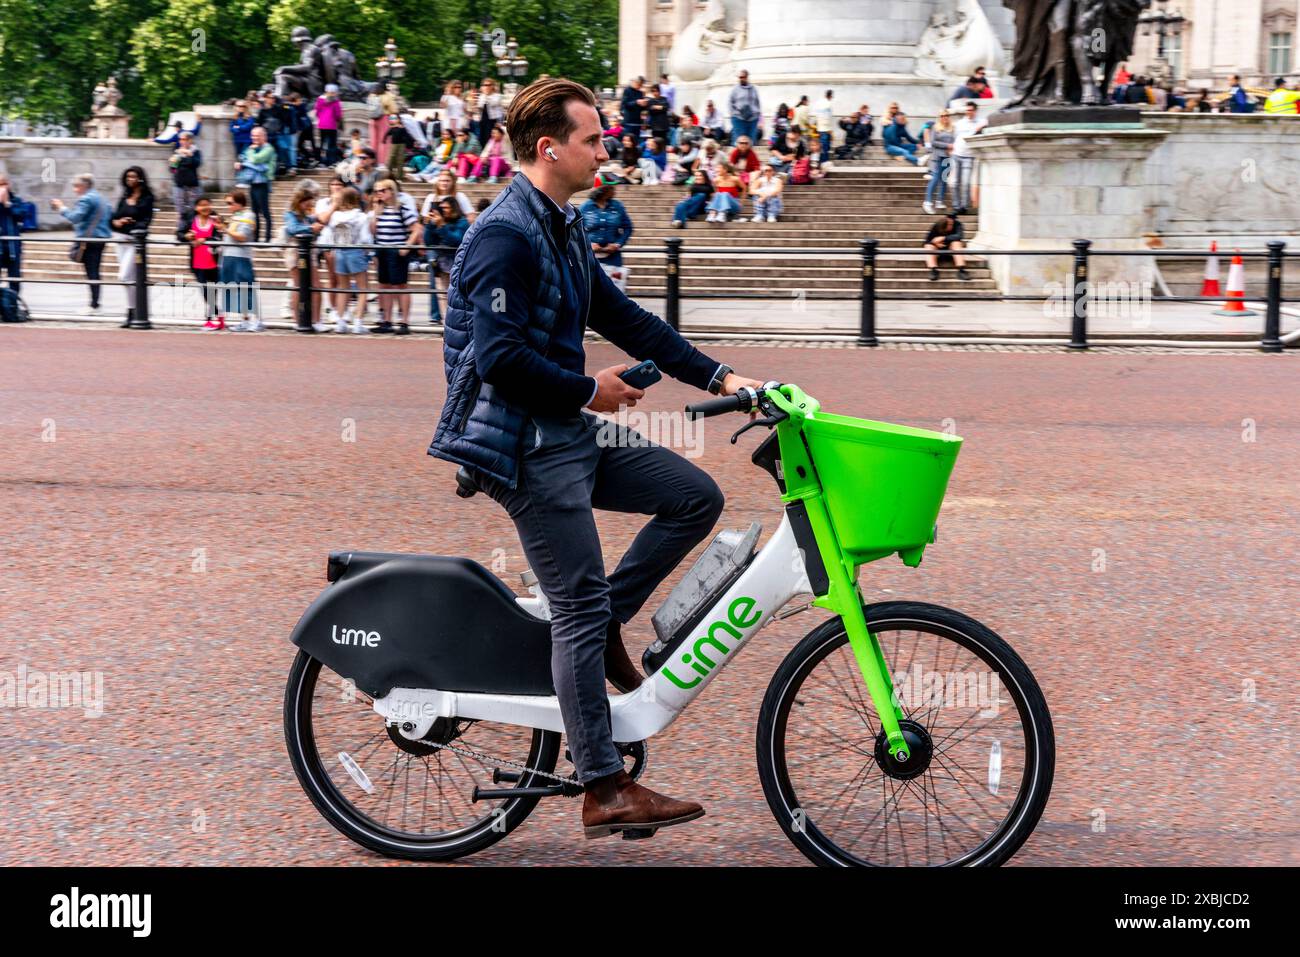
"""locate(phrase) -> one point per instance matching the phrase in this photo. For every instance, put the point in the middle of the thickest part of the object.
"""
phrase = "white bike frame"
(775, 576)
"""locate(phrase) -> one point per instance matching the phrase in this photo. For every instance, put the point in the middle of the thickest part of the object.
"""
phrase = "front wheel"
(978, 728)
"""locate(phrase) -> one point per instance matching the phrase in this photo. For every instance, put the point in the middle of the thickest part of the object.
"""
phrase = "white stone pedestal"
(1044, 188)
(1225, 177)
(218, 148)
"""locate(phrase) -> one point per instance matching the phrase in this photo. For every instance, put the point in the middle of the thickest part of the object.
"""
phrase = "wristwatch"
(715, 384)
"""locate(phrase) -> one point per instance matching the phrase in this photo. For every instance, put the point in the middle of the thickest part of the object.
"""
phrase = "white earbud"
(551, 153)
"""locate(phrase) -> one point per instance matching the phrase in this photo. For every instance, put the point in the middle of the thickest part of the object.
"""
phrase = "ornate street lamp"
(487, 45)
(390, 68)
(511, 65)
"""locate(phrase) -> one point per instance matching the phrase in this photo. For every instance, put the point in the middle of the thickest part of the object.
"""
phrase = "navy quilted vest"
(478, 427)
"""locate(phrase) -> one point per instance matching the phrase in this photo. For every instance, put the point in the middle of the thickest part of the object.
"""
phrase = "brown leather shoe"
(619, 670)
(617, 803)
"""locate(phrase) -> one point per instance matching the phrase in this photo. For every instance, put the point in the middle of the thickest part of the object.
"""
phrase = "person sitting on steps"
(946, 234)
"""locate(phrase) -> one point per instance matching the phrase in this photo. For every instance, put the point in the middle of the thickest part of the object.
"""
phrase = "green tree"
(54, 52)
(169, 55)
(425, 34)
(570, 38)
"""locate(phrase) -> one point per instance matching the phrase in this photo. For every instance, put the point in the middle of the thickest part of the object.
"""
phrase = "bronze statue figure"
(307, 76)
(322, 61)
(1061, 43)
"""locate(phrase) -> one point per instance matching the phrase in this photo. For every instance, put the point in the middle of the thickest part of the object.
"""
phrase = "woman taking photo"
(300, 220)
(608, 229)
(444, 187)
(89, 220)
(134, 211)
(444, 228)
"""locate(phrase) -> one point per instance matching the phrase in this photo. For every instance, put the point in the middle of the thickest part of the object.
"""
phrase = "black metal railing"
(1079, 292)
(304, 290)
(676, 256)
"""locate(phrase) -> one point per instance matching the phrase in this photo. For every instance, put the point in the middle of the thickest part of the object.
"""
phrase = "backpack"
(12, 307)
(26, 213)
(801, 171)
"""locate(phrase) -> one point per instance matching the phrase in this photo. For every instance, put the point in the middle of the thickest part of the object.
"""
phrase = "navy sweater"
(499, 277)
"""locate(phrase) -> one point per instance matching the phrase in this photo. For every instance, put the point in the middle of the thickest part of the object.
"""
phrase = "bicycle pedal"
(638, 833)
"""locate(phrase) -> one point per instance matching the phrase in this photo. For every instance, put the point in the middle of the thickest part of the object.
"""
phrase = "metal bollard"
(672, 277)
(1273, 313)
(867, 319)
(305, 242)
(140, 319)
(1079, 296)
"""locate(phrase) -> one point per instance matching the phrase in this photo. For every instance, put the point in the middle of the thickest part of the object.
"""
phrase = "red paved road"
(166, 443)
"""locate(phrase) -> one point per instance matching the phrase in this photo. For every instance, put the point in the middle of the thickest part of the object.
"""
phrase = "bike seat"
(466, 485)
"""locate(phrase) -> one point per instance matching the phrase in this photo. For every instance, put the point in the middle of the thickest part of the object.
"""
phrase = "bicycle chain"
(466, 752)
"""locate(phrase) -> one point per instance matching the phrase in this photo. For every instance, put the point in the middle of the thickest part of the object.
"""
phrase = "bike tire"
(359, 827)
(782, 692)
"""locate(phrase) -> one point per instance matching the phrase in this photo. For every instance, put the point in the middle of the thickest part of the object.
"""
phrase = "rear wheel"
(978, 728)
(408, 799)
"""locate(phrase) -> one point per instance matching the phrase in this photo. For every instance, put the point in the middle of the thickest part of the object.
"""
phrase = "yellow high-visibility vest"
(1282, 100)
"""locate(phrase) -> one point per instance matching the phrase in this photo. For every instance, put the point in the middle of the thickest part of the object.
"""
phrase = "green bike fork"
(842, 597)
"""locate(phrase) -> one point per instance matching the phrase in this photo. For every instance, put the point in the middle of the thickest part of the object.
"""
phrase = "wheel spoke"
(442, 792)
(940, 815)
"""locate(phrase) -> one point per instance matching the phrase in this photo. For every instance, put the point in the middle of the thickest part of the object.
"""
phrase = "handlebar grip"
(710, 407)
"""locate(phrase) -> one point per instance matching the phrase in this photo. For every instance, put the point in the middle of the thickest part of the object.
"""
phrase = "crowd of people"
(355, 223)
(1164, 96)
(734, 164)
(466, 133)
(652, 141)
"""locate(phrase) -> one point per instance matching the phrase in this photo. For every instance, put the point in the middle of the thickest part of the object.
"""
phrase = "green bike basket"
(883, 483)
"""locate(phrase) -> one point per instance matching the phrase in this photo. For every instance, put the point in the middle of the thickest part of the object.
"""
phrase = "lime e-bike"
(421, 719)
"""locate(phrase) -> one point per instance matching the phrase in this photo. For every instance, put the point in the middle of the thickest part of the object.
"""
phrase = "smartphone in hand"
(642, 375)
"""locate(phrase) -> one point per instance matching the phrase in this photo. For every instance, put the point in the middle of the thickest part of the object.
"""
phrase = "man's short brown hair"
(542, 109)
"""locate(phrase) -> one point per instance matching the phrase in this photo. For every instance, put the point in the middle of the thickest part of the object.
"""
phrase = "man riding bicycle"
(524, 285)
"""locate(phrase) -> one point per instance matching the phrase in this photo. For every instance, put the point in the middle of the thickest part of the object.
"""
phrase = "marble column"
(633, 22)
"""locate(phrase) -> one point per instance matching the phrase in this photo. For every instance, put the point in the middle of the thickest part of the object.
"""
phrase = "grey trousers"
(965, 174)
(570, 466)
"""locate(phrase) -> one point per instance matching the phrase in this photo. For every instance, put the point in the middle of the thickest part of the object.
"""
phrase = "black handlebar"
(740, 402)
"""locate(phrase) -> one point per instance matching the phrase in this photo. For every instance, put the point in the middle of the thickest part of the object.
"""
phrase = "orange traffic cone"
(1233, 305)
(1210, 287)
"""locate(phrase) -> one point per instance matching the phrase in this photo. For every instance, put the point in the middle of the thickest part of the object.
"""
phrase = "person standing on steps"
(255, 169)
(134, 211)
(746, 111)
(89, 220)
(524, 285)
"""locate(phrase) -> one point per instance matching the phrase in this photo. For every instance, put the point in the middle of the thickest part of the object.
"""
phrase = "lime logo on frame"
(741, 614)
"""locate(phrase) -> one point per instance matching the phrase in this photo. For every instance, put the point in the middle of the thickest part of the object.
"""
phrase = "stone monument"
(108, 121)
(868, 51)
(1058, 165)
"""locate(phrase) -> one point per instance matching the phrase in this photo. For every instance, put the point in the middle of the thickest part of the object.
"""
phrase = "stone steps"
(838, 212)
